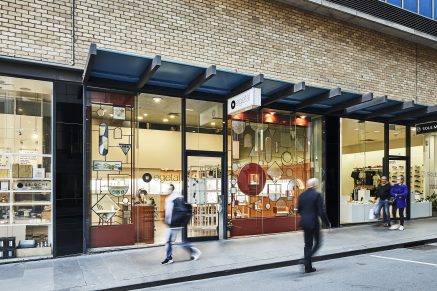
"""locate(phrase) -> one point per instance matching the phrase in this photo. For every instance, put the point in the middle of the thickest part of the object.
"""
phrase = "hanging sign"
(427, 127)
(245, 101)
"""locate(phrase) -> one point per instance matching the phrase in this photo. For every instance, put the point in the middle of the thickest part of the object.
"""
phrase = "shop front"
(239, 147)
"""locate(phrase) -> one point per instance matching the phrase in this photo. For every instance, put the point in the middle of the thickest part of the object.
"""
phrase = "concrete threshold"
(280, 264)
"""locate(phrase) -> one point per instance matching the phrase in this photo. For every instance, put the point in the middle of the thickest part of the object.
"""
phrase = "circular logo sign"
(233, 104)
(147, 177)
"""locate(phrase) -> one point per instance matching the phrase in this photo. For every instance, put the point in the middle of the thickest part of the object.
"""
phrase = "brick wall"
(249, 36)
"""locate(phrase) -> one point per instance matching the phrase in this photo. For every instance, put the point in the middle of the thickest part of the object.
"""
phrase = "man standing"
(175, 218)
(311, 208)
(383, 193)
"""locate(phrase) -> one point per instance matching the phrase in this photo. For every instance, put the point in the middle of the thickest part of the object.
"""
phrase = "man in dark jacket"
(383, 193)
(311, 208)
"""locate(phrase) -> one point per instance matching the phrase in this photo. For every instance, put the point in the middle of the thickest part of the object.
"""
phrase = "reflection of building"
(92, 134)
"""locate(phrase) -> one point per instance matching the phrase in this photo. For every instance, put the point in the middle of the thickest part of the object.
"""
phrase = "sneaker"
(167, 261)
(393, 227)
(401, 227)
(386, 225)
(195, 254)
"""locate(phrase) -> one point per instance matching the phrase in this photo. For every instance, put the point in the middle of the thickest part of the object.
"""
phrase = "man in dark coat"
(311, 208)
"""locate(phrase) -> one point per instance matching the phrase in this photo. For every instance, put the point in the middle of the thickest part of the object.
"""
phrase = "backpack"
(182, 213)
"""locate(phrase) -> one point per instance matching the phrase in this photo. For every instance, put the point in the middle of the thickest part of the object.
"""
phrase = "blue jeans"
(172, 234)
(383, 204)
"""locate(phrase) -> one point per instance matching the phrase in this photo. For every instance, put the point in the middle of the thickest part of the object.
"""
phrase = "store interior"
(362, 153)
(25, 168)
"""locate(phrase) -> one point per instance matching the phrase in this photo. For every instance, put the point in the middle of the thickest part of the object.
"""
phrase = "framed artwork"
(107, 166)
(253, 179)
(119, 113)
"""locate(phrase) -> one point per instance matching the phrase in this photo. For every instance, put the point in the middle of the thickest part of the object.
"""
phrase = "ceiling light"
(413, 129)
(376, 131)
(172, 116)
(157, 99)
(189, 109)
(356, 129)
(165, 120)
(145, 114)
(35, 135)
(213, 123)
(303, 116)
(140, 118)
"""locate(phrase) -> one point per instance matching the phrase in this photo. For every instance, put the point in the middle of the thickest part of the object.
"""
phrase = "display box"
(22, 171)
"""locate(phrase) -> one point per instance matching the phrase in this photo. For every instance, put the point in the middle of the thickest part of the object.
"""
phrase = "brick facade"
(250, 36)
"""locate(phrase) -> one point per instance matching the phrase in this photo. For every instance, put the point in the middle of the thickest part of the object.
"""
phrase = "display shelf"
(31, 203)
(27, 224)
(31, 191)
(32, 179)
(4, 204)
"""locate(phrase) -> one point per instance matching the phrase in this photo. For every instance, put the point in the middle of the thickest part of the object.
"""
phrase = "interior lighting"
(165, 120)
(157, 99)
(35, 135)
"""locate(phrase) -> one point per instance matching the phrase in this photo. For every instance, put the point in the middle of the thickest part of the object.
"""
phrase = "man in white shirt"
(175, 226)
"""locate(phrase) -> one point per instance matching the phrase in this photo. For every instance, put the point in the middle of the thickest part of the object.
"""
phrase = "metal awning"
(115, 70)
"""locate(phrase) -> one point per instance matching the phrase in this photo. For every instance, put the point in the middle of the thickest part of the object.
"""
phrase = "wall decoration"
(107, 166)
(31, 185)
(286, 158)
(39, 173)
(119, 113)
(251, 179)
(268, 206)
(125, 147)
(257, 205)
(117, 190)
(125, 201)
(103, 139)
(285, 139)
(268, 144)
(105, 208)
(276, 147)
(238, 126)
(100, 112)
(118, 133)
(275, 171)
(236, 150)
(147, 177)
(274, 191)
(247, 142)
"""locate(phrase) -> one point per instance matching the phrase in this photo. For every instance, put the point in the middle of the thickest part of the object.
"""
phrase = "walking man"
(177, 215)
(311, 208)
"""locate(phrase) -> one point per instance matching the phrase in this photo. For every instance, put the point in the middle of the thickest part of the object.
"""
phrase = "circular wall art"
(251, 179)
(268, 206)
(125, 201)
(147, 177)
(100, 112)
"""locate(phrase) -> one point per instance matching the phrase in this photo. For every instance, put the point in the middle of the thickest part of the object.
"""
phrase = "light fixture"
(157, 99)
(165, 120)
(140, 118)
(172, 116)
(189, 109)
(35, 135)
(111, 114)
(145, 114)
(303, 116)
(376, 131)
(213, 123)
(356, 129)
(20, 109)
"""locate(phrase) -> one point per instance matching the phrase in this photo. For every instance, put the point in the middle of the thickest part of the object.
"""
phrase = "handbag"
(391, 200)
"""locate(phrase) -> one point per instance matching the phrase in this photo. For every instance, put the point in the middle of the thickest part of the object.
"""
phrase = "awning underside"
(134, 73)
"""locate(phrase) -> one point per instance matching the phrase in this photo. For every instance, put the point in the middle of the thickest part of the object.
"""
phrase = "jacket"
(169, 204)
(383, 191)
(400, 192)
(310, 208)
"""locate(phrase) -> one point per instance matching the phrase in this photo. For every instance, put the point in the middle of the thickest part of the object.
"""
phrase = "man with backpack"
(177, 215)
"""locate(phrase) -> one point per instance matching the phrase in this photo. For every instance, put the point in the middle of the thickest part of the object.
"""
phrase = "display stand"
(143, 219)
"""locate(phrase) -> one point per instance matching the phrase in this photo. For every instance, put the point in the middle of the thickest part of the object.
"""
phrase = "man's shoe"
(310, 270)
(401, 227)
(394, 226)
(167, 261)
(386, 225)
(195, 254)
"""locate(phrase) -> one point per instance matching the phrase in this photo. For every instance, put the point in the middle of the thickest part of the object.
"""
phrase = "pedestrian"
(177, 215)
(311, 208)
(399, 191)
(383, 193)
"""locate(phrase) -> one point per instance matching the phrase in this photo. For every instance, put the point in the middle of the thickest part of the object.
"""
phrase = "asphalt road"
(401, 269)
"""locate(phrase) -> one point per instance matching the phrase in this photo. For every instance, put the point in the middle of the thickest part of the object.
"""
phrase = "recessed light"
(303, 116)
(157, 99)
(376, 131)
(145, 114)
(213, 123)
(165, 120)
(140, 118)
(172, 116)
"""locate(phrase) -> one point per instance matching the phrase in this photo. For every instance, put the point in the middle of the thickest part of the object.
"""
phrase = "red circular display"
(251, 179)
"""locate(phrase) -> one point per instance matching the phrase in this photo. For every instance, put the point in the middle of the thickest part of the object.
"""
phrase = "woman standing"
(399, 191)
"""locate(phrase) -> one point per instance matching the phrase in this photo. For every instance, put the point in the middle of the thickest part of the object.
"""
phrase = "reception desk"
(143, 219)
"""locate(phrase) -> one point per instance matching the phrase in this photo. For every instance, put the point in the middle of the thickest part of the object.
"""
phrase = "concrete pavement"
(399, 269)
(141, 267)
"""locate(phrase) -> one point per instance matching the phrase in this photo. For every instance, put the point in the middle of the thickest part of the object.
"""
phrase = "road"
(401, 269)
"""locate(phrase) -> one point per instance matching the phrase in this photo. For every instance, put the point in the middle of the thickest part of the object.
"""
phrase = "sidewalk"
(142, 266)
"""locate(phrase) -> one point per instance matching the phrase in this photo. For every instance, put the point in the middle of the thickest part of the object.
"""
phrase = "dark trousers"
(313, 242)
(401, 214)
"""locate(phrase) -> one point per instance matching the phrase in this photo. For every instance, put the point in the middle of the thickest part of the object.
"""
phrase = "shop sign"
(427, 127)
(245, 101)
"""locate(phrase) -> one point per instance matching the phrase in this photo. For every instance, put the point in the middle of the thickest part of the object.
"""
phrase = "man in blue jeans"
(383, 193)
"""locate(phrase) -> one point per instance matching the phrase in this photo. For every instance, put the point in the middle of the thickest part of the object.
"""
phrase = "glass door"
(204, 192)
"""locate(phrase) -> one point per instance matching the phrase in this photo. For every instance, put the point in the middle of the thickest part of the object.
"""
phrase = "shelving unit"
(23, 213)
